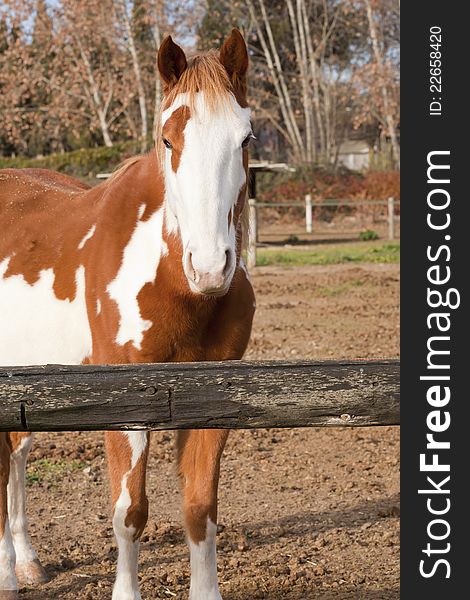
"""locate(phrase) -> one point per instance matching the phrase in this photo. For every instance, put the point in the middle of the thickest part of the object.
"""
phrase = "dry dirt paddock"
(304, 514)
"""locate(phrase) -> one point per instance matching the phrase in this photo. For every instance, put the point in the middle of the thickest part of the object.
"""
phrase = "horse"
(144, 267)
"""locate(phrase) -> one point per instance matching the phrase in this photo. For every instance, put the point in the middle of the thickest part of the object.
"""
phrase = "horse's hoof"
(30, 573)
(8, 595)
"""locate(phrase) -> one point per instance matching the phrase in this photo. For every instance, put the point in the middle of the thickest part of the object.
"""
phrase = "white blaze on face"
(206, 185)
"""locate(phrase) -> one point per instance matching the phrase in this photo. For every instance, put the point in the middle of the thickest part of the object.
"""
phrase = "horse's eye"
(247, 140)
(167, 144)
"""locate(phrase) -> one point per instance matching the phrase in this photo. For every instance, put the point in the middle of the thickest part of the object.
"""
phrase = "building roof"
(354, 147)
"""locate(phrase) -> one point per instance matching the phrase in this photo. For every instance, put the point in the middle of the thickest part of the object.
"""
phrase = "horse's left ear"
(234, 57)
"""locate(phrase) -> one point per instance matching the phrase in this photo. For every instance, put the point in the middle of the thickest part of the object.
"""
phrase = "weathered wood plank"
(236, 394)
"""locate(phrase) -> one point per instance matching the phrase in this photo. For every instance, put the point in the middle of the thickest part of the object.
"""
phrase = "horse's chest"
(36, 327)
(170, 334)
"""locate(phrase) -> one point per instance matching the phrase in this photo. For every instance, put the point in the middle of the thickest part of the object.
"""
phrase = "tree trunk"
(314, 76)
(300, 52)
(384, 91)
(158, 85)
(99, 107)
(137, 73)
(105, 130)
(274, 67)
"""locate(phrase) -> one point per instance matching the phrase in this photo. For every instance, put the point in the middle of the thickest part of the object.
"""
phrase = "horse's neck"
(141, 233)
(139, 180)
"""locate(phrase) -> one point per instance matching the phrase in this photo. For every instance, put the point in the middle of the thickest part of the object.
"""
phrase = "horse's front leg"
(127, 460)
(28, 568)
(8, 584)
(199, 455)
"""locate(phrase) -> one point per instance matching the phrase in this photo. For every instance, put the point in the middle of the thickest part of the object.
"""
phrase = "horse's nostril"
(190, 267)
(228, 261)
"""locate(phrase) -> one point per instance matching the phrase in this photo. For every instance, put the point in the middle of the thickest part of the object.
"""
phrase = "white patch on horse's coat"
(141, 211)
(57, 331)
(88, 235)
(137, 443)
(7, 561)
(171, 222)
(4, 265)
(126, 586)
(209, 178)
(25, 552)
(204, 566)
(139, 266)
(98, 307)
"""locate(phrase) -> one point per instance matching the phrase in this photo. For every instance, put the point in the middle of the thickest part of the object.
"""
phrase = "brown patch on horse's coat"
(15, 438)
(199, 451)
(137, 513)
(49, 223)
(120, 455)
(173, 131)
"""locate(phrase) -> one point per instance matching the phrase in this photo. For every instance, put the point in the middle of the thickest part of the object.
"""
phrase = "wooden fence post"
(391, 219)
(253, 234)
(308, 213)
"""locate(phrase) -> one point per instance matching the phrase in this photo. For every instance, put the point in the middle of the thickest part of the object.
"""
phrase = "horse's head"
(204, 133)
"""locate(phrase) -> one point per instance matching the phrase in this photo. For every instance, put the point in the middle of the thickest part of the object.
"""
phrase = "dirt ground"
(304, 513)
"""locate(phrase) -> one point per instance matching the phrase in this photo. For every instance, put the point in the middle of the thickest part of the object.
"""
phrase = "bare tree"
(383, 79)
(121, 8)
(262, 24)
(319, 70)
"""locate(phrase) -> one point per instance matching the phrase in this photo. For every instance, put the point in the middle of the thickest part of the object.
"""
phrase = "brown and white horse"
(145, 267)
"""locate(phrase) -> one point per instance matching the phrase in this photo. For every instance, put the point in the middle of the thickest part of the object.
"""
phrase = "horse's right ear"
(234, 57)
(171, 62)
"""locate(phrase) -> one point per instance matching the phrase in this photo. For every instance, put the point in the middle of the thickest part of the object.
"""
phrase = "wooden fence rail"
(235, 395)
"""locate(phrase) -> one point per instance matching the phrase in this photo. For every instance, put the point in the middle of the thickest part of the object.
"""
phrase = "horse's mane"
(123, 166)
(204, 73)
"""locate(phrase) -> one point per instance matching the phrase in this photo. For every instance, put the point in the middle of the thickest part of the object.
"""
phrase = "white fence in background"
(309, 205)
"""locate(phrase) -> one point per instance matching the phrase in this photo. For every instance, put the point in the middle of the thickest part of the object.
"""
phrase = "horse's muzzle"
(211, 277)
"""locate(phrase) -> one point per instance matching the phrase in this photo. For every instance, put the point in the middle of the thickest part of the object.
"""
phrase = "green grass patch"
(45, 470)
(358, 252)
(368, 234)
